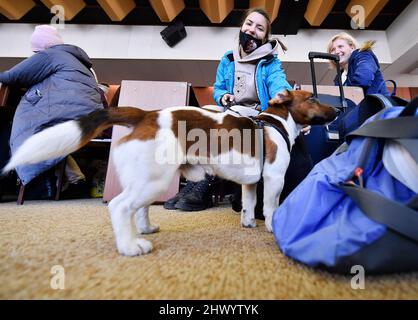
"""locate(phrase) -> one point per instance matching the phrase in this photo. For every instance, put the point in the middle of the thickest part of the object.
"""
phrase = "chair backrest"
(113, 95)
(204, 95)
(4, 94)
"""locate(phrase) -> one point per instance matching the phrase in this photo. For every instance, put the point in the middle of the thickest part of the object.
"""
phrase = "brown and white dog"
(163, 142)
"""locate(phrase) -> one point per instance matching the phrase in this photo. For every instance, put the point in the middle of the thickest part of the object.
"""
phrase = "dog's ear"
(282, 97)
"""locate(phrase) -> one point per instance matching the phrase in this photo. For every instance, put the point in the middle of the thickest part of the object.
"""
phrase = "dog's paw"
(149, 229)
(248, 223)
(145, 245)
(251, 224)
(269, 223)
(247, 220)
(135, 248)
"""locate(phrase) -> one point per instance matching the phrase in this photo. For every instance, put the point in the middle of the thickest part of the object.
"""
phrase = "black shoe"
(42, 187)
(170, 203)
(200, 198)
(236, 200)
(79, 190)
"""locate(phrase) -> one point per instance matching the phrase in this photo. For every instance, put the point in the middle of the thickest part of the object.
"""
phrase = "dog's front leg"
(249, 200)
(272, 190)
(143, 225)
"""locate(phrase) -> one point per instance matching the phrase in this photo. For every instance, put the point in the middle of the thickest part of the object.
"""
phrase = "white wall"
(210, 43)
(402, 34)
(402, 37)
(145, 42)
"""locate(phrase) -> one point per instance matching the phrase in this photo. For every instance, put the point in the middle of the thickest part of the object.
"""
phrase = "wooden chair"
(60, 179)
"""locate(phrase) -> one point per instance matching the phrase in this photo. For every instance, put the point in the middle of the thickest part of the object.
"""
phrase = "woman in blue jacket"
(247, 77)
(60, 86)
(251, 74)
(360, 66)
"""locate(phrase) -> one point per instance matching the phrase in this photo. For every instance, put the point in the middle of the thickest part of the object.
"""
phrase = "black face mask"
(248, 42)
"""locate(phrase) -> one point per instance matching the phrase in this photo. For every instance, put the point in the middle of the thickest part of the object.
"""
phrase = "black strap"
(284, 135)
(393, 128)
(280, 130)
(413, 203)
(410, 108)
(394, 215)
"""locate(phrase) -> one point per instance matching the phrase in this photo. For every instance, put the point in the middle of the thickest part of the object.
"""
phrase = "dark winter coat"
(60, 87)
(364, 71)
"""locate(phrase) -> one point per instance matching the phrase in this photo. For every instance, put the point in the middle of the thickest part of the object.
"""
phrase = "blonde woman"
(360, 66)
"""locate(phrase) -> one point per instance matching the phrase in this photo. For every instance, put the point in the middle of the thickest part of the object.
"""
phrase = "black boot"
(236, 198)
(200, 198)
(170, 203)
(78, 190)
(42, 187)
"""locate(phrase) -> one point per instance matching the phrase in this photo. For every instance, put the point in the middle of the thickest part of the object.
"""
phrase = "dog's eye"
(313, 100)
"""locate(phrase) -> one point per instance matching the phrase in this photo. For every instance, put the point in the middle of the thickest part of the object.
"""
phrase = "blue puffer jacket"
(60, 87)
(270, 78)
(364, 71)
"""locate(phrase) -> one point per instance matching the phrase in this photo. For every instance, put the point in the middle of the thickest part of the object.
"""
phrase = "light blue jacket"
(270, 78)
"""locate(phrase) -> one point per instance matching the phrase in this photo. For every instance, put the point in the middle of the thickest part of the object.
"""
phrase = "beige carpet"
(203, 255)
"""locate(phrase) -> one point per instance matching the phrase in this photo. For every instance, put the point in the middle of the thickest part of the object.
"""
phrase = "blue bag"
(350, 210)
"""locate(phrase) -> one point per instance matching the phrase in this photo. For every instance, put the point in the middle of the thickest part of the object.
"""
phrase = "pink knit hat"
(43, 37)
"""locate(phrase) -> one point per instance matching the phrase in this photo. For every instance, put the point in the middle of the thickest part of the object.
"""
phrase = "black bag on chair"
(368, 107)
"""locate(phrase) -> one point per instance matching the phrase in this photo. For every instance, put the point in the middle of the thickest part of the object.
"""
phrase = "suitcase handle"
(328, 56)
(323, 55)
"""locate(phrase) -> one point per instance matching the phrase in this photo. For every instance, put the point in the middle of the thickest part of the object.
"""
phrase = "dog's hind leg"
(249, 200)
(136, 199)
(143, 225)
(140, 189)
(122, 210)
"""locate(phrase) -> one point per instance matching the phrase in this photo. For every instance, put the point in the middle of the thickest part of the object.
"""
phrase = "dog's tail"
(67, 137)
